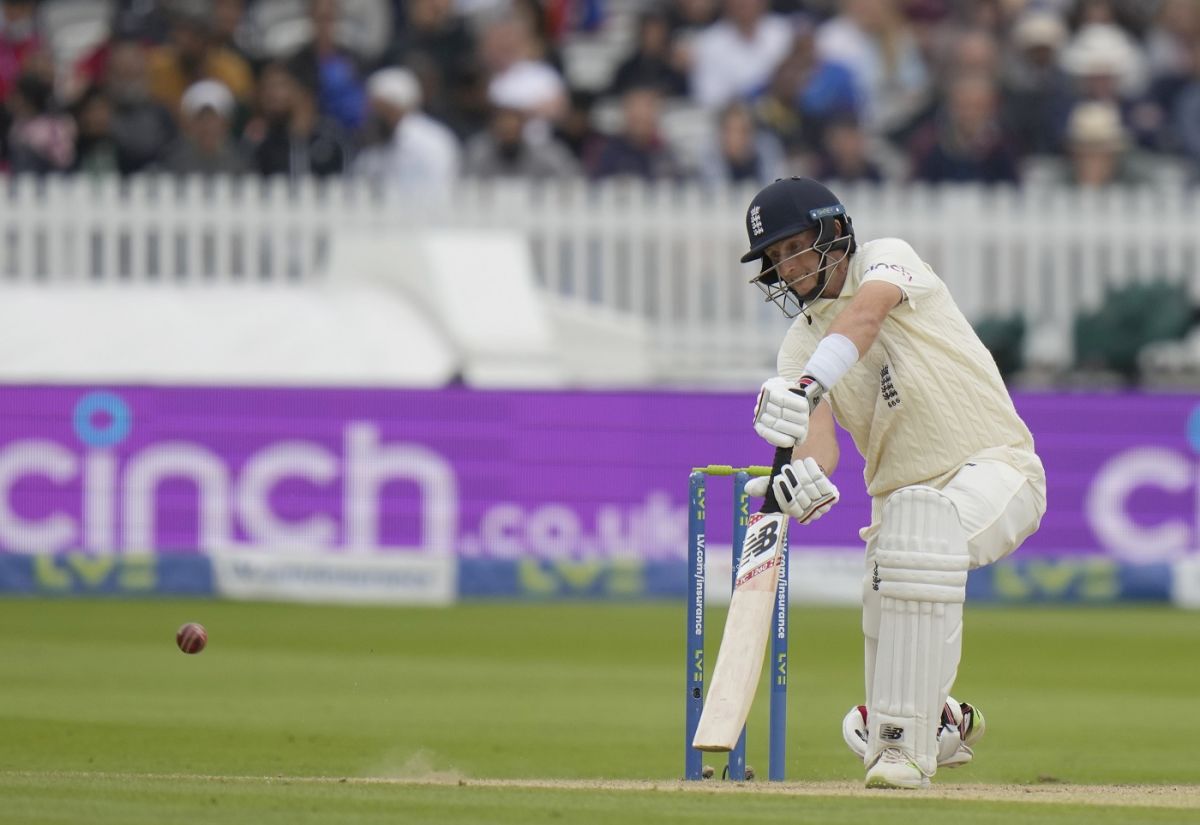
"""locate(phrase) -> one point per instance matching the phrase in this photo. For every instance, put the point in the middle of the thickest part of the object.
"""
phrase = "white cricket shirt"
(927, 395)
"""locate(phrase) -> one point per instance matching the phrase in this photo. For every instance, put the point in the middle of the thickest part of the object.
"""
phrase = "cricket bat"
(744, 642)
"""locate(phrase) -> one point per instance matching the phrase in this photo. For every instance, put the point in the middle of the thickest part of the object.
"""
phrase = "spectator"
(639, 150)
(542, 45)
(735, 57)
(965, 142)
(870, 38)
(206, 145)
(96, 149)
(141, 126)
(804, 92)
(742, 152)
(1185, 116)
(1099, 153)
(230, 30)
(18, 40)
(972, 50)
(189, 56)
(40, 139)
(1037, 94)
(290, 137)
(131, 20)
(930, 23)
(409, 150)
(652, 62)
(1169, 43)
(686, 20)
(578, 132)
(437, 44)
(507, 150)
(510, 60)
(1108, 67)
(333, 71)
(846, 154)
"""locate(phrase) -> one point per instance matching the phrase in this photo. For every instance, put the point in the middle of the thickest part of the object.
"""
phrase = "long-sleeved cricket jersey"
(927, 395)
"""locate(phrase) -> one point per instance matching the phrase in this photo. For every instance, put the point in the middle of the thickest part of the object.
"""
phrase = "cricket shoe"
(896, 769)
(962, 726)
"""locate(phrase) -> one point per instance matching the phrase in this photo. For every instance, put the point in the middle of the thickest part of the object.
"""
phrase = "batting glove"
(781, 414)
(802, 490)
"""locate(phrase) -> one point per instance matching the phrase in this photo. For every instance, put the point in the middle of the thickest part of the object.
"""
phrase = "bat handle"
(783, 457)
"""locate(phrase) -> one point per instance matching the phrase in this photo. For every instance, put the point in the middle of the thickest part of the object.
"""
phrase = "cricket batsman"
(879, 346)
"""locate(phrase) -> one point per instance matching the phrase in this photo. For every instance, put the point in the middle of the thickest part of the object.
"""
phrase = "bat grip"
(783, 457)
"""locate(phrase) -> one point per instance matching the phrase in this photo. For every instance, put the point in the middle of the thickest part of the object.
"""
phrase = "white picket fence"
(667, 255)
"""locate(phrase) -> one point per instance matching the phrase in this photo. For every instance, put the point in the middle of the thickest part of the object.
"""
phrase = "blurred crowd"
(418, 93)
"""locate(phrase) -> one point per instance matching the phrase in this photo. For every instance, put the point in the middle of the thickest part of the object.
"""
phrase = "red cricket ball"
(191, 638)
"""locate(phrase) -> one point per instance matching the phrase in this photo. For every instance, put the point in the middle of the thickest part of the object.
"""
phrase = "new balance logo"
(875, 580)
(891, 733)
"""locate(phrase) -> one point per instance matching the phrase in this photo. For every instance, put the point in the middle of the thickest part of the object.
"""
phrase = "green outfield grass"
(103, 720)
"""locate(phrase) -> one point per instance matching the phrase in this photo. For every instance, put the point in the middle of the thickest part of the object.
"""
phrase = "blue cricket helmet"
(790, 206)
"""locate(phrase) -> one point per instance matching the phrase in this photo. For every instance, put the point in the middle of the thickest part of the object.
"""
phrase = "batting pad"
(922, 580)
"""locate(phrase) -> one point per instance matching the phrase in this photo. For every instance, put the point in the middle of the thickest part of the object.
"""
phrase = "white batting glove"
(802, 490)
(780, 415)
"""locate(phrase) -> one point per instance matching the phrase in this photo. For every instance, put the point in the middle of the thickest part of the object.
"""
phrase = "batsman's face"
(797, 263)
(795, 259)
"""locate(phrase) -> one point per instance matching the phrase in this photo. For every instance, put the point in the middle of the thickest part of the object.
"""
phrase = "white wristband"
(832, 359)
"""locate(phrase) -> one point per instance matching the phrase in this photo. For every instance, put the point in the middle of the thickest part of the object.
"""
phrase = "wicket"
(694, 665)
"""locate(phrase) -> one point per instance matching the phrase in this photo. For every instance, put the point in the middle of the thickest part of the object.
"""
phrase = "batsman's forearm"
(826, 458)
(821, 443)
(863, 318)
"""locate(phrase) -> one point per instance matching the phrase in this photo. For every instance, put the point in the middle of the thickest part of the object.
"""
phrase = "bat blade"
(743, 644)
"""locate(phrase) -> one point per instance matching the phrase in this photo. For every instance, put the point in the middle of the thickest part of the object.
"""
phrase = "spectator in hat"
(288, 136)
(1108, 67)
(206, 145)
(408, 150)
(189, 56)
(1099, 151)
(508, 149)
(1037, 94)
(509, 57)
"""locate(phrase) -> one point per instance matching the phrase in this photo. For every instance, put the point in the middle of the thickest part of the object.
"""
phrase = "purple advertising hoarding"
(509, 474)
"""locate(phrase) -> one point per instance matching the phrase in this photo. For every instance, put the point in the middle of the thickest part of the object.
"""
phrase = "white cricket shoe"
(896, 769)
(962, 726)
